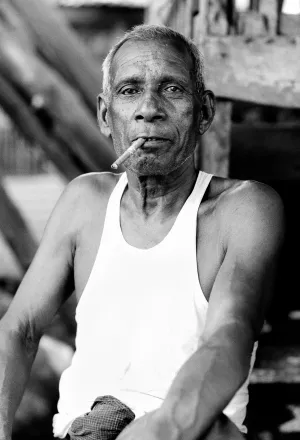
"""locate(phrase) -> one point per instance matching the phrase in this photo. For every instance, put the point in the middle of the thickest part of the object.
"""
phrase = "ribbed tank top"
(139, 318)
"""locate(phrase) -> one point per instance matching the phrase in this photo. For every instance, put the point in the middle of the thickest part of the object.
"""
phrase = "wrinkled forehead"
(151, 55)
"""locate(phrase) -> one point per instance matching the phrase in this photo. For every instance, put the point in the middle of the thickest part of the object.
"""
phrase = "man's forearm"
(205, 385)
(15, 363)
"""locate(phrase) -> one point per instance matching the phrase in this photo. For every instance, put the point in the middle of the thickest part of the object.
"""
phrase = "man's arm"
(240, 295)
(241, 292)
(46, 285)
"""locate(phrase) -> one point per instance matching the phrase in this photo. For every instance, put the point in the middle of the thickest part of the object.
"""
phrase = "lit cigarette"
(131, 150)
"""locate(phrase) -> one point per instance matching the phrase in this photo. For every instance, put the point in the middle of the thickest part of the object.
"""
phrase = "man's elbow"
(20, 339)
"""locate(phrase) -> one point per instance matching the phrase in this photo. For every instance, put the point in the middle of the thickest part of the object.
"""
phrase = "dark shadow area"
(265, 147)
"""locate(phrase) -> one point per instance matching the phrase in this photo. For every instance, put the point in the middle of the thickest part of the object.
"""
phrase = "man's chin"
(154, 166)
(147, 168)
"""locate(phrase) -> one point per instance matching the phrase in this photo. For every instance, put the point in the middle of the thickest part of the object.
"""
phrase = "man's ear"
(208, 109)
(102, 115)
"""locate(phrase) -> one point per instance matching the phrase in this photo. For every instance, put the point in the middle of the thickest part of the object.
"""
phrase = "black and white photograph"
(149, 219)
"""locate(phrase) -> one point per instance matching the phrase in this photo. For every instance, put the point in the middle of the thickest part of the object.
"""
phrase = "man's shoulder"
(249, 207)
(101, 183)
(86, 196)
(91, 187)
(241, 195)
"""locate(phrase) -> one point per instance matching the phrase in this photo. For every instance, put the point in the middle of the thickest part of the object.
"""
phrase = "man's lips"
(154, 143)
(152, 138)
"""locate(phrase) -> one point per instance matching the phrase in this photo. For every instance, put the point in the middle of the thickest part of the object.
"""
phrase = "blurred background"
(50, 74)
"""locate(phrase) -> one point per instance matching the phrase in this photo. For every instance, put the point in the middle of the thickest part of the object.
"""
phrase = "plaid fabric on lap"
(107, 418)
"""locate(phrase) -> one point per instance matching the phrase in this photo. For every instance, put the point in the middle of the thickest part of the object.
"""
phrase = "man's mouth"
(153, 142)
(151, 138)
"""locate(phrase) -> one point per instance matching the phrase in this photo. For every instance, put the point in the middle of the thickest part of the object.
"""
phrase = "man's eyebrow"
(130, 79)
(137, 79)
(170, 78)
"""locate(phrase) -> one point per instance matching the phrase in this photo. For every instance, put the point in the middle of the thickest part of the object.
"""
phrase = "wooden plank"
(61, 47)
(29, 125)
(192, 10)
(217, 17)
(214, 148)
(15, 230)
(270, 10)
(160, 11)
(215, 143)
(252, 24)
(264, 70)
(56, 104)
(176, 18)
(289, 24)
(64, 90)
(200, 22)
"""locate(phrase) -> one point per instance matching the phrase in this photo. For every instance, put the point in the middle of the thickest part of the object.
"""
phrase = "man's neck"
(163, 194)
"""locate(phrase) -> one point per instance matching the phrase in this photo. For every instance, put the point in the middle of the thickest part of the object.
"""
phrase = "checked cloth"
(107, 418)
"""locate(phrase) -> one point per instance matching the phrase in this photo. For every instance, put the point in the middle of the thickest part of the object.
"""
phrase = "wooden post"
(215, 143)
(192, 11)
(269, 9)
(160, 11)
(200, 22)
(212, 153)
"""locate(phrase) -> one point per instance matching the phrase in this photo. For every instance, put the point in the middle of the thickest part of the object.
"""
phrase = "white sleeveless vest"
(139, 319)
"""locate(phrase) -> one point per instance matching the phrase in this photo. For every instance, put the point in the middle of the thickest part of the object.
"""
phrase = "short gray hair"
(149, 32)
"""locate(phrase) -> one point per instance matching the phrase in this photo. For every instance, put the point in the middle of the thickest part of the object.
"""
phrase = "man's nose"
(150, 109)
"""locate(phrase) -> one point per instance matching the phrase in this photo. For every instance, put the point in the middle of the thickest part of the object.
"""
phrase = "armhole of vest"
(99, 249)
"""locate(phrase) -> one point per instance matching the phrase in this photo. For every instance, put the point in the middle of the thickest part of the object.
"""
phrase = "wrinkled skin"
(153, 94)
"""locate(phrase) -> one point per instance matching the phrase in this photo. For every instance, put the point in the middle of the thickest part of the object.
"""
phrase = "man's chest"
(208, 251)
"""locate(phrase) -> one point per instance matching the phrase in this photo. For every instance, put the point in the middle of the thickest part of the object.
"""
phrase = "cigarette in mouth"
(131, 150)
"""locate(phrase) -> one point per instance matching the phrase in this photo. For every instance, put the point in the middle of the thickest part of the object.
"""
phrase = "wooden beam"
(62, 90)
(32, 129)
(270, 10)
(217, 20)
(16, 231)
(252, 24)
(212, 152)
(192, 10)
(51, 96)
(264, 70)
(215, 143)
(200, 22)
(160, 11)
(61, 47)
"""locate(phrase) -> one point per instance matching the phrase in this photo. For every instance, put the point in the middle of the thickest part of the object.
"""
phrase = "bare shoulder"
(83, 198)
(91, 190)
(93, 184)
(249, 195)
(50, 277)
(250, 210)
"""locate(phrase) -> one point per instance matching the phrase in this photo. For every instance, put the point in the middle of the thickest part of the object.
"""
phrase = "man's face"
(153, 95)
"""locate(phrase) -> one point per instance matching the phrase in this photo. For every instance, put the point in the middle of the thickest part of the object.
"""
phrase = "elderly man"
(172, 267)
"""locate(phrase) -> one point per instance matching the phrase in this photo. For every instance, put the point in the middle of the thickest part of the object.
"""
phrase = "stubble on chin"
(153, 166)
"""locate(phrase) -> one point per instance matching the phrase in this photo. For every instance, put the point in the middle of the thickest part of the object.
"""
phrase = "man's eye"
(173, 89)
(129, 91)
